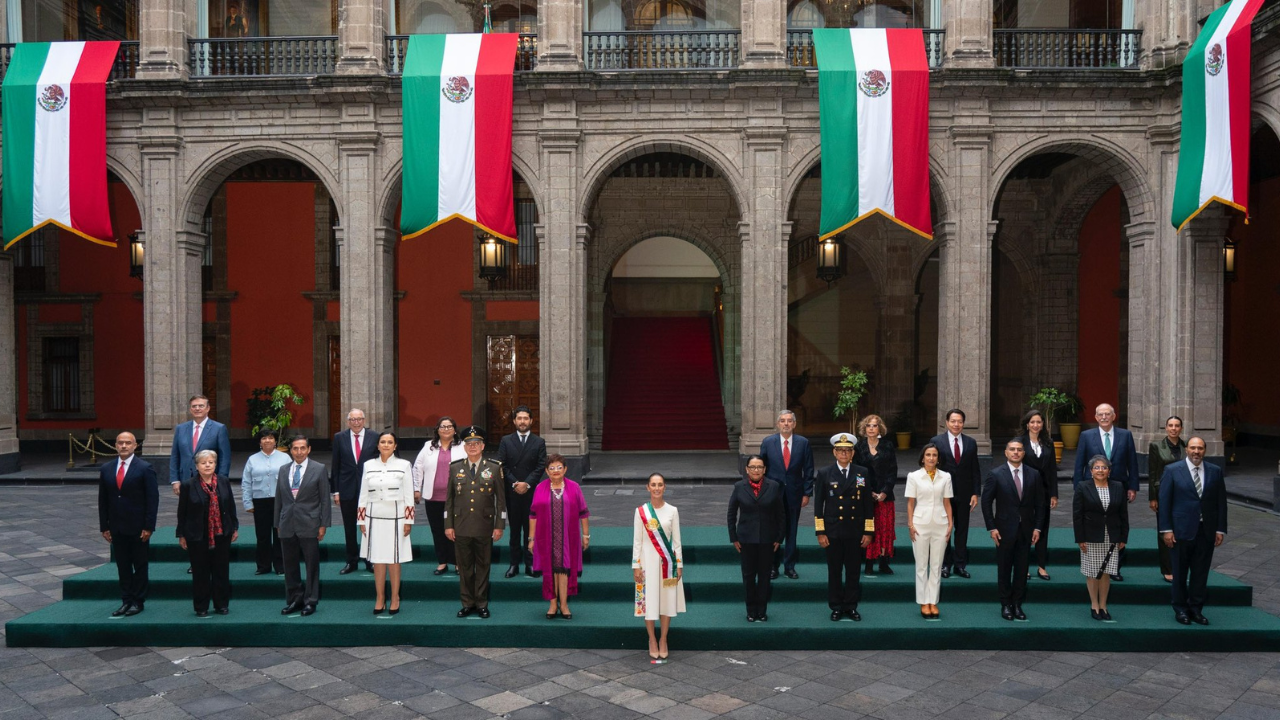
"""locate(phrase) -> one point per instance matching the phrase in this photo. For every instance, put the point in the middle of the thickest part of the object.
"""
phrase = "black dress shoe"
(347, 569)
(773, 574)
(870, 569)
(120, 611)
(368, 566)
(1018, 614)
(1042, 575)
(884, 567)
(1096, 615)
(466, 611)
(528, 571)
(222, 611)
(854, 614)
(188, 569)
(1182, 618)
(133, 610)
(751, 618)
(260, 572)
(440, 570)
(511, 571)
(392, 611)
(536, 574)
(291, 608)
(962, 573)
(762, 617)
(793, 574)
(308, 610)
(202, 613)
(1118, 577)
(836, 615)
(1198, 619)
(946, 572)
(1106, 616)
(484, 613)
(1006, 612)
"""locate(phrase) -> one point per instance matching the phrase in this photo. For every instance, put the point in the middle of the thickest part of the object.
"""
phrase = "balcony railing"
(397, 47)
(519, 277)
(800, 48)
(1067, 49)
(125, 67)
(642, 50)
(298, 55)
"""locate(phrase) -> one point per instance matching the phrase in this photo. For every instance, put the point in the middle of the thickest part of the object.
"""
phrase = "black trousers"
(268, 551)
(1042, 547)
(518, 525)
(957, 554)
(210, 572)
(1193, 558)
(757, 564)
(297, 550)
(445, 554)
(788, 553)
(350, 508)
(1013, 557)
(131, 556)
(844, 573)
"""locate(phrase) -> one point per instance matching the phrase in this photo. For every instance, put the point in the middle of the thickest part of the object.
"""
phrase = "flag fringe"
(882, 213)
(73, 231)
(464, 218)
(1209, 202)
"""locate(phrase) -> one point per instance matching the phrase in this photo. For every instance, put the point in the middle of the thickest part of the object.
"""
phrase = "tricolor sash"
(661, 543)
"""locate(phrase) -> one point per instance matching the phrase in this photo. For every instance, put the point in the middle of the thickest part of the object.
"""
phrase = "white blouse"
(929, 496)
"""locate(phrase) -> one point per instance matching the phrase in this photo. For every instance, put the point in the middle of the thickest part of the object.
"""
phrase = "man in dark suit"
(523, 456)
(757, 524)
(351, 448)
(1115, 444)
(788, 461)
(475, 512)
(128, 496)
(844, 518)
(1013, 508)
(199, 433)
(302, 515)
(1192, 520)
(958, 457)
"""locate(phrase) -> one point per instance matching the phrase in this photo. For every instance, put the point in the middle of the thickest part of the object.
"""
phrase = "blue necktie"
(297, 477)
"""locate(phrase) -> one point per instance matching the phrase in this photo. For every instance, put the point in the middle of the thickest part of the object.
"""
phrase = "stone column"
(763, 309)
(968, 34)
(562, 294)
(560, 29)
(366, 284)
(764, 34)
(1168, 29)
(10, 460)
(896, 361)
(1196, 353)
(163, 26)
(361, 27)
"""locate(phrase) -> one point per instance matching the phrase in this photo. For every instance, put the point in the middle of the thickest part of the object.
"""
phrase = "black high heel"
(378, 610)
(440, 570)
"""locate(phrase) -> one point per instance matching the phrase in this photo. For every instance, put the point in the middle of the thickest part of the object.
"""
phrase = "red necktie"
(195, 437)
(357, 437)
(120, 476)
(956, 449)
(786, 453)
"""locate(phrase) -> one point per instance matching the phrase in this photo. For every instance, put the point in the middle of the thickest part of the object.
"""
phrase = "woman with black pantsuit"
(757, 523)
(1038, 444)
(207, 525)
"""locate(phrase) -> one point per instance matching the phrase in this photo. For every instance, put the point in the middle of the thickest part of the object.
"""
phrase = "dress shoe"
(762, 617)
(836, 615)
(1018, 614)
(205, 614)
(1197, 618)
(291, 608)
(308, 610)
(188, 569)
(379, 610)
(1006, 612)
(1182, 618)
(884, 567)
(773, 574)
(133, 610)
(793, 574)
(924, 612)
(946, 572)
(465, 611)
(962, 573)
(1118, 577)
(222, 611)
(392, 610)
(1042, 575)
(528, 571)
(934, 613)
(1095, 614)
(368, 566)
(567, 616)
(120, 611)
(870, 569)
(1106, 615)
(511, 572)
(1168, 579)
(440, 570)
(347, 569)
(484, 613)
(261, 571)
(751, 618)
(854, 615)
(536, 574)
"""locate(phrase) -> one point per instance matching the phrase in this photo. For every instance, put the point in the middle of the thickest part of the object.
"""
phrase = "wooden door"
(512, 381)
(336, 423)
(209, 375)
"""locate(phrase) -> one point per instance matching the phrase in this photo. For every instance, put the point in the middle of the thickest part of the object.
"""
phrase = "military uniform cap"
(472, 432)
(842, 440)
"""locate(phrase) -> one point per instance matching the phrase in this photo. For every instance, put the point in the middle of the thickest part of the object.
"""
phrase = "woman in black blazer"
(207, 526)
(1040, 455)
(1100, 515)
(757, 524)
(876, 453)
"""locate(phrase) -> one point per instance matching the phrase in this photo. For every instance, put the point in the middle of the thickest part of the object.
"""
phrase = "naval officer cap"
(472, 432)
(842, 440)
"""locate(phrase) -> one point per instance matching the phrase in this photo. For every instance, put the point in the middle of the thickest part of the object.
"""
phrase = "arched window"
(805, 15)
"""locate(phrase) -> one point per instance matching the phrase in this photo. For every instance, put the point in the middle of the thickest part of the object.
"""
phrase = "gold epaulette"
(819, 525)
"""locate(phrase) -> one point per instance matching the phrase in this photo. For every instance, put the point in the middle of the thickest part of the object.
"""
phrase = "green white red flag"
(873, 112)
(457, 133)
(55, 139)
(1213, 161)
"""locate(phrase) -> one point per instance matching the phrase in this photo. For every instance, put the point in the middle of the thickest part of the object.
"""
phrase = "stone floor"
(48, 533)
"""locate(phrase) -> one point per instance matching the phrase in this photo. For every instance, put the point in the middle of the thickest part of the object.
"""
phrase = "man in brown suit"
(475, 514)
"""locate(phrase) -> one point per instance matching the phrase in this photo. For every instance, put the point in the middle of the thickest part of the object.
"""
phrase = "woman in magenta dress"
(558, 533)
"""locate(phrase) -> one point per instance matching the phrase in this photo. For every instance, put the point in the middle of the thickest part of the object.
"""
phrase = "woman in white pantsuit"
(657, 563)
(929, 522)
(385, 518)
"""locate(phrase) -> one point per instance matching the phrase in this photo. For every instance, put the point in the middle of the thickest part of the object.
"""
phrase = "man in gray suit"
(303, 513)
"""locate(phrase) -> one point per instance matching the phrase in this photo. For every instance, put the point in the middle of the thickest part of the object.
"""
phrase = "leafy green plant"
(853, 385)
(905, 419)
(268, 408)
(1058, 405)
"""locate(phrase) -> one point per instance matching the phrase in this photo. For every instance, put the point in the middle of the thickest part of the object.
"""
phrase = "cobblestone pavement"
(49, 533)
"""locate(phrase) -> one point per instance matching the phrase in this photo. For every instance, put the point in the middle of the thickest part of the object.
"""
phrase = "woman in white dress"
(657, 564)
(929, 521)
(385, 518)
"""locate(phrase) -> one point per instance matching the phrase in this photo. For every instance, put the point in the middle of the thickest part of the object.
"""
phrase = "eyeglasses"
(355, 419)
(446, 427)
(755, 467)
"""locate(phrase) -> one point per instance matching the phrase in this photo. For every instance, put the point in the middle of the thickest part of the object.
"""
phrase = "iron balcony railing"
(125, 67)
(519, 277)
(239, 57)
(1067, 49)
(642, 50)
(397, 46)
(800, 48)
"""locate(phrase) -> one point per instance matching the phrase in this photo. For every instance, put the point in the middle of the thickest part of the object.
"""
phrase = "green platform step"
(1058, 610)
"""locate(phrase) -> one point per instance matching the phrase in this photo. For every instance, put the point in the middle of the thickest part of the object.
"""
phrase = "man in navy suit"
(524, 458)
(351, 448)
(1115, 444)
(1192, 521)
(1013, 507)
(958, 456)
(788, 461)
(128, 495)
(199, 433)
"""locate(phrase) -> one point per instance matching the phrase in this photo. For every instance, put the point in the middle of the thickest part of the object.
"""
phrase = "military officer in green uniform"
(844, 518)
(475, 515)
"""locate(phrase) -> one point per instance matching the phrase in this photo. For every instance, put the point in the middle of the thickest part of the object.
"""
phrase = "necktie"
(297, 478)
(845, 472)
(357, 437)
(786, 453)
(1106, 444)
(120, 476)
(955, 448)
(522, 439)
(195, 437)
(1017, 481)
(1195, 477)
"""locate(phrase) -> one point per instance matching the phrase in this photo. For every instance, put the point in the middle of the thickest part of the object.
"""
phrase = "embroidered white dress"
(386, 490)
(653, 599)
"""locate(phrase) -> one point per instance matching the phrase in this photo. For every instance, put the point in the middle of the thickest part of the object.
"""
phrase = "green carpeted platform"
(798, 617)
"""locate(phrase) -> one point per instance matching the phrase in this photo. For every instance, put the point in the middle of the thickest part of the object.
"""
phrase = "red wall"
(1251, 303)
(509, 310)
(1098, 378)
(86, 267)
(270, 263)
(434, 325)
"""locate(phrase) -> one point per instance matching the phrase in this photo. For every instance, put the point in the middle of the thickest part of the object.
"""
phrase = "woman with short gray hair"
(207, 525)
(1100, 514)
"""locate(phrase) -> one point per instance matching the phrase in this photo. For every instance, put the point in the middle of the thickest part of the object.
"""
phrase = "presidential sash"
(661, 543)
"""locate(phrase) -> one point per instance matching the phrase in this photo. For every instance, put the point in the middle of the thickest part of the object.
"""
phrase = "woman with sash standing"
(558, 534)
(657, 564)
(385, 517)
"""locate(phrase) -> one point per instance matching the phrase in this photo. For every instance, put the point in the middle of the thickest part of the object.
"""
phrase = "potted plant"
(268, 408)
(902, 423)
(853, 385)
(1062, 407)
(1230, 419)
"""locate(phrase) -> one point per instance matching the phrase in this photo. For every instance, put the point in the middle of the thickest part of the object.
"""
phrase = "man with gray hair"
(351, 448)
(788, 461)
(1117, 446)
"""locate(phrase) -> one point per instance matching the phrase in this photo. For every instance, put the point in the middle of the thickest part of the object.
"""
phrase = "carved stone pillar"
(10, 460)
(560, 35)
(895, 363)
(968, 28)
(764, 34)
(361, 27)
(163, 27)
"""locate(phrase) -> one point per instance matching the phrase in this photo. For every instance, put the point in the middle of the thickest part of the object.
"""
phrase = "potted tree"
(902, 423)
(268, 409)
(1062, 407)
(853, 385)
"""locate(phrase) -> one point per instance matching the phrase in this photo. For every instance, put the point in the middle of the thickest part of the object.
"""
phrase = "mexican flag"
(1213, 161)
(55, 139)
(457, 133)
(873, 113)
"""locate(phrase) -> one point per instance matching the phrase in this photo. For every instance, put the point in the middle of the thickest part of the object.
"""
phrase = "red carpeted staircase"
(663, 392)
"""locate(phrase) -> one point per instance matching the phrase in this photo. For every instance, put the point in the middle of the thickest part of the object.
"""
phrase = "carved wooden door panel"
(512, 380)
(336, 423)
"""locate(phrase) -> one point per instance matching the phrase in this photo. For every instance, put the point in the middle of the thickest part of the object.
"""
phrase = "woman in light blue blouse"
(258, 486)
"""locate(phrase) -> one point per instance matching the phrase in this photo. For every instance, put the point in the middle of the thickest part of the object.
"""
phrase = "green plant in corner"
(1058, 405)
(853, 385)
(268, 408)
